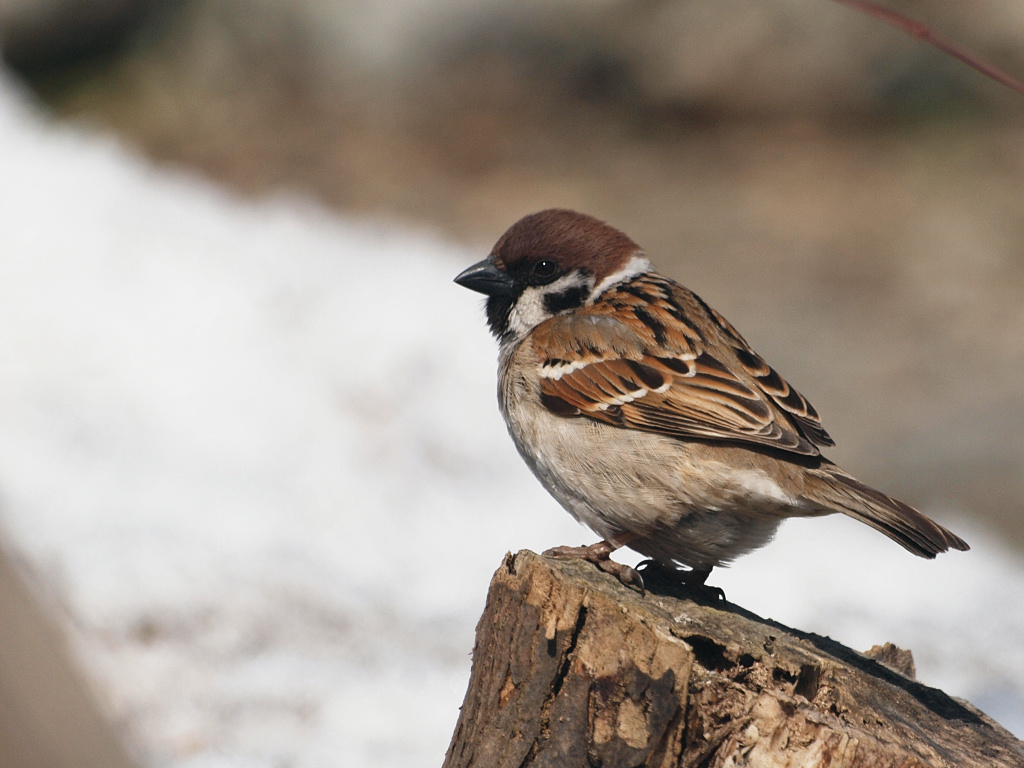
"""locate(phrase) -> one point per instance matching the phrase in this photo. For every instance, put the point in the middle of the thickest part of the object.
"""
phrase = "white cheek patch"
(530, 311)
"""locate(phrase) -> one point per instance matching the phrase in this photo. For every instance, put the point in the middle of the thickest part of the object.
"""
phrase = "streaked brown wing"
(640, 359)
(777, 388)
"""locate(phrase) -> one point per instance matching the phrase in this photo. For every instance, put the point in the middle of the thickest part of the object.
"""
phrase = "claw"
(600, 555)
(628, 577)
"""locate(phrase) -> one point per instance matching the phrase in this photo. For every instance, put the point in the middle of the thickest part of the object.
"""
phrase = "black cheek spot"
(570, 298)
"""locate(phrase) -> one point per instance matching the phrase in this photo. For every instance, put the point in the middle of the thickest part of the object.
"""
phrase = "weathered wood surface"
(572, 669)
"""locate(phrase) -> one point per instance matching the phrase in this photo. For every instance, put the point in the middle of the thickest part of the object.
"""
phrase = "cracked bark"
(572, 669)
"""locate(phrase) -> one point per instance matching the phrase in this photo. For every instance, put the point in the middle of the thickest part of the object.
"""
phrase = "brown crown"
(572, 239)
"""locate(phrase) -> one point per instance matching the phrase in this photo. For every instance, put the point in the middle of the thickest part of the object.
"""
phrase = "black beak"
(486, 278)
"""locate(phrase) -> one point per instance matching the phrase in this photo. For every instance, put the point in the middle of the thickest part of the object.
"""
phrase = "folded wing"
(652, 356)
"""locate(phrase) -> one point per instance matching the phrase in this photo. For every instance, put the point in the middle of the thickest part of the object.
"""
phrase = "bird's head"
(549, 263)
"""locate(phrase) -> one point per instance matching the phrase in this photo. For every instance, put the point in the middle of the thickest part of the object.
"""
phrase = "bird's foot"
(600, 555)
(689, 583)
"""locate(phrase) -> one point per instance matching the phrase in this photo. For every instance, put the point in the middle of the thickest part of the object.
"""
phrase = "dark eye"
(544, 269)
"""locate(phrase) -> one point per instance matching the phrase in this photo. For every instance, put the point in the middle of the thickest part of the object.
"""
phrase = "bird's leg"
(695, 577)
(593, 553)
(600, 555)
(692, 582)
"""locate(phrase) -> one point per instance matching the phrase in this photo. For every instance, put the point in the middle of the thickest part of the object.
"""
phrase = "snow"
(254, 450)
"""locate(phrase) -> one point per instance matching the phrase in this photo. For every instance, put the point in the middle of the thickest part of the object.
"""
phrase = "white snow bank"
(256, 449)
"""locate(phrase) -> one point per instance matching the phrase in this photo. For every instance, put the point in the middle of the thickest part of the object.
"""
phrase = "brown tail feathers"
(900, 522)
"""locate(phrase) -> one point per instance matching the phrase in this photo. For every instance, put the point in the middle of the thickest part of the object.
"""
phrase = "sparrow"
(648, 416)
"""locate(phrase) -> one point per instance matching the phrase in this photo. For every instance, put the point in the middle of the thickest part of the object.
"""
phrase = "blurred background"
(252, 477)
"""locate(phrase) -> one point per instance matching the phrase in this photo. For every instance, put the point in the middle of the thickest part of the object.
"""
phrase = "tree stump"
(572, 669)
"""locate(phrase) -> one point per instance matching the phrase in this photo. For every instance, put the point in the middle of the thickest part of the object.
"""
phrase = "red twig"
(922, 32)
